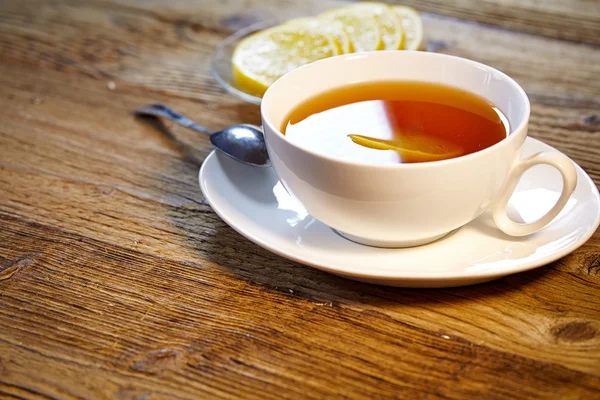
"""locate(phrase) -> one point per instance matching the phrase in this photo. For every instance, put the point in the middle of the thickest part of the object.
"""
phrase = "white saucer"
(253, 202)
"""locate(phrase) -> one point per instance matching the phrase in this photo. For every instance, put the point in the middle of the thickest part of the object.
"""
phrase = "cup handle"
(569, 175)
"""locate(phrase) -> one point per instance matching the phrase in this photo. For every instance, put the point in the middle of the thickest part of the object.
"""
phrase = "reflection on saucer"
(287, 202)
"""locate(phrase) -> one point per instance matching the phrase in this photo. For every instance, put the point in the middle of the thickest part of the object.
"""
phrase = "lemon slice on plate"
(392, 33)
(260, 59)
(334, 28)
(412, 25)
(362, 28)
(412, 149)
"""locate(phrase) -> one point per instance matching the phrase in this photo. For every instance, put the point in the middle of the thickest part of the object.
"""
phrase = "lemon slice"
(392, 33)
(412, 149)
(260, 59)
(412, 25)
(334, 28)
(362, 29)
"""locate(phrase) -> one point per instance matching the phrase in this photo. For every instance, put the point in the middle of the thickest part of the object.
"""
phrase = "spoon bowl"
(244, 143)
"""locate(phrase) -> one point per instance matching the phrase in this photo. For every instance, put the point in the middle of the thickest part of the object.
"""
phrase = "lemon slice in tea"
(260, 59)
(334, 28)
(412, 25)
(412, 148)
(362, 28)
(392, 33)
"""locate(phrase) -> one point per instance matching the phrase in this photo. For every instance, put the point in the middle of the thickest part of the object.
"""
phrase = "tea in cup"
(399, 148)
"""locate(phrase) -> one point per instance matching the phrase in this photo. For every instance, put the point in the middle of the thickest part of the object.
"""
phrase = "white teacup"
(399, 205)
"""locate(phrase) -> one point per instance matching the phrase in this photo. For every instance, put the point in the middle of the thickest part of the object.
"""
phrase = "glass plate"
(220, 66)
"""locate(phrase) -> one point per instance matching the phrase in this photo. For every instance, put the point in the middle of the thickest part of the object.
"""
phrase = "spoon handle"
(160, 110)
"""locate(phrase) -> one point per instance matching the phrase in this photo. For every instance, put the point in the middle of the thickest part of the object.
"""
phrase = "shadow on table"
(252, 263)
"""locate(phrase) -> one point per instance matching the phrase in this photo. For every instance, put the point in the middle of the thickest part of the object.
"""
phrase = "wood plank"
(577, 21)
(554, 116)
(127, 186)
(573, 20)
(167, 46)
(102, 321)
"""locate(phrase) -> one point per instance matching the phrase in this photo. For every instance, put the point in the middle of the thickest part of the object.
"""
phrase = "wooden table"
(117, 280)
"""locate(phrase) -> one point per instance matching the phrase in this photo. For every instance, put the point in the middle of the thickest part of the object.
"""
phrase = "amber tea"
(396, 122)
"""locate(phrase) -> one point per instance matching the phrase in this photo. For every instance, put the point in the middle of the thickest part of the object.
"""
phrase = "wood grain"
(112, 312)
(118, 281)
(167, 47)
(577, 21)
